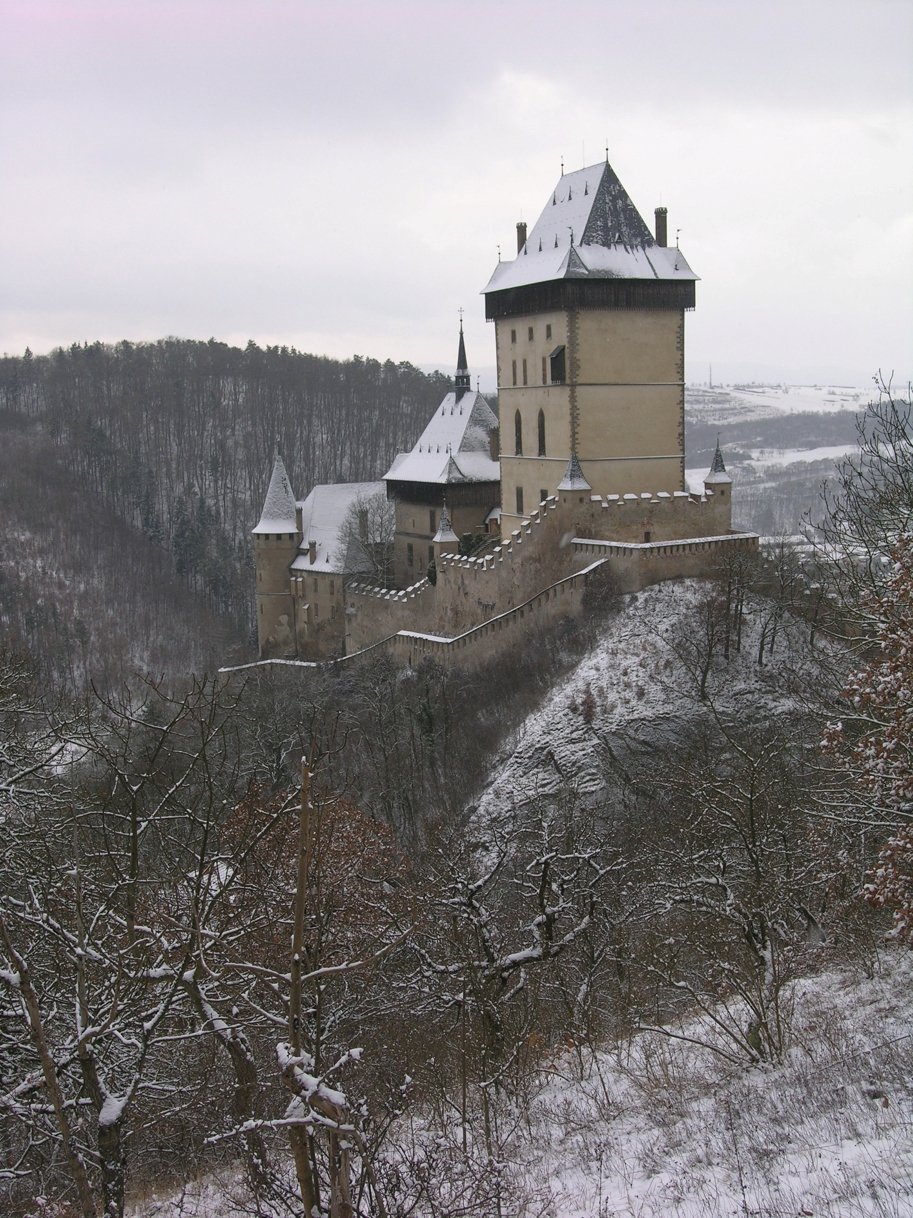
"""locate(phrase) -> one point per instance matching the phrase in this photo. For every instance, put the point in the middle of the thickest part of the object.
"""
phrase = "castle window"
(432, 523)
(543, 495)
(519, 500)
(430, 555)
(541, 433)
(513, 368)
(647, 535)
(410, 555)
(524, 372)
(513, 336)
(557, 366)
(548, 330)
(518, 434)
(530, 334)
(544, 371)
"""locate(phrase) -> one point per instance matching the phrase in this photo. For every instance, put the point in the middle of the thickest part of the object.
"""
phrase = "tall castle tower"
(589, 325)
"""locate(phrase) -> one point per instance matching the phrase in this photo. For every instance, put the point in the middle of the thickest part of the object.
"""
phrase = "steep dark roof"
(590, 230)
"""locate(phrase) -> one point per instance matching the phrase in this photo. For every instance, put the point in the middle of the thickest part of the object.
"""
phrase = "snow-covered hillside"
(637, 688)
(662, 1127)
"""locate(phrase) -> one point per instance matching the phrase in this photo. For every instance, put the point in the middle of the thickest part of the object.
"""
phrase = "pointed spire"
(574, 479)
(445, 531)
(717, 475)
(462, 383)
(279, 509)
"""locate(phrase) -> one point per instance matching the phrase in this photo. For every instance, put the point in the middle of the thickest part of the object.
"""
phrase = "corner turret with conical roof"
(717, 475)
(718, 488)
(279, 508)
(277, 536)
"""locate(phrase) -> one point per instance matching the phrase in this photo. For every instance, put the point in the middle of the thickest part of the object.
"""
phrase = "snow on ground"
(661, 1128)
(763, 458)
(739, 403)
(640, 689)
(658, 1127)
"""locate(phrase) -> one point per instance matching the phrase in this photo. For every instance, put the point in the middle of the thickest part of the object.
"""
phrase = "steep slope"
(638, 690)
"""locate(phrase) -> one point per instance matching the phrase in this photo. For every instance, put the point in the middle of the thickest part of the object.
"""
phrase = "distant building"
(583, 478)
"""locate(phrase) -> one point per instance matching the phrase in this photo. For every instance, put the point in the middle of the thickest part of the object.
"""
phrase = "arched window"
(518, 434)
(541, 433)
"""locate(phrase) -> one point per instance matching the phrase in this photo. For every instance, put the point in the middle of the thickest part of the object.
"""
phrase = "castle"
(582, 477)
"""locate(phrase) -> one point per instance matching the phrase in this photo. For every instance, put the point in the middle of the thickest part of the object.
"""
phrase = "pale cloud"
(341, 177)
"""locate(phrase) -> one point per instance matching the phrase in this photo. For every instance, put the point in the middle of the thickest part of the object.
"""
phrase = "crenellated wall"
(493, 637)
(374, 613)
(658, 516)
(638, 565)
(641, 539)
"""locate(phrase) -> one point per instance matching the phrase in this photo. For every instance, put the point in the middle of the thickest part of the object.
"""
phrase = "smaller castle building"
(453, 466)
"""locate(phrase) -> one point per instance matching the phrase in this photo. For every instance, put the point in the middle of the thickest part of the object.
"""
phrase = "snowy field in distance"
(768, 458)
(739, 403)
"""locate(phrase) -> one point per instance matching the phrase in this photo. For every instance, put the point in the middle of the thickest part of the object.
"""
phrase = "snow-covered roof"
(717, 475)
(590, 229)
(454, 447)
(322, 517)
(445, 531)
(574, 479)
(278, 515)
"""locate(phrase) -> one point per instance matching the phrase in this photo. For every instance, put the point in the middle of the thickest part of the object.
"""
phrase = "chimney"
(299, 520)
(521, 236)
(661, 214)
(312, 552)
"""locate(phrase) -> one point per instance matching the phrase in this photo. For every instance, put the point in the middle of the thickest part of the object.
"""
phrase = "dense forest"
(338, 981)
(132, 476)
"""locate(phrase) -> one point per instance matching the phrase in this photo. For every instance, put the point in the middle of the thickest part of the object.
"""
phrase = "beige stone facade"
(621, 406)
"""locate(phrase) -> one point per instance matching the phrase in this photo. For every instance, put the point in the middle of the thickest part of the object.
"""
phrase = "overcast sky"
(338, 176)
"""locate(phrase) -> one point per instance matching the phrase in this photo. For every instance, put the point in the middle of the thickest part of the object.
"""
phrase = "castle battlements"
(362, 588)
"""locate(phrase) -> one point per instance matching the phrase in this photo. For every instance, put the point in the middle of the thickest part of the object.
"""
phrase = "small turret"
(278, 515)
(717, 479)
(445, 541)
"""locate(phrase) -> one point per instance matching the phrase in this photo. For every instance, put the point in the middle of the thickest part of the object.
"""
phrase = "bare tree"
(366, 537)
(865, 510)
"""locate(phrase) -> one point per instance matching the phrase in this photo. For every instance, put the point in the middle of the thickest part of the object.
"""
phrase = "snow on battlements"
(519, 542)
(362, 588)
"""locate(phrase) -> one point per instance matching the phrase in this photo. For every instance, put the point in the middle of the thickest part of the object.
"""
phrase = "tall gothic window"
(518, 434)
(541, 433)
